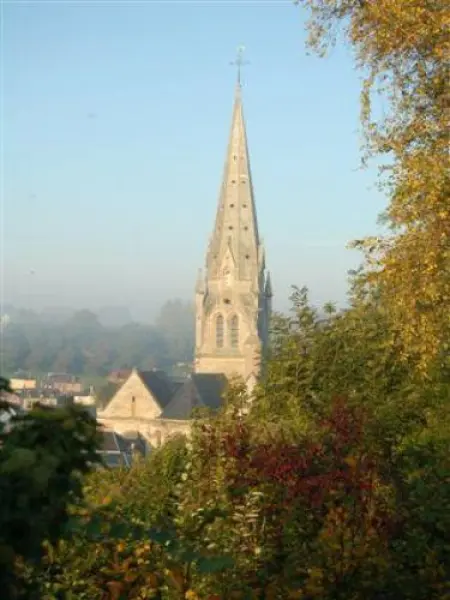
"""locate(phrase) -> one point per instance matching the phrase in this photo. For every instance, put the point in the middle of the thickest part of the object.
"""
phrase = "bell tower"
(234, 295)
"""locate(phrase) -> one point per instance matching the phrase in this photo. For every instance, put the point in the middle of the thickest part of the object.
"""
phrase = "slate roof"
(159, 385)
(109, 441)
(114, 450)
(201, 389)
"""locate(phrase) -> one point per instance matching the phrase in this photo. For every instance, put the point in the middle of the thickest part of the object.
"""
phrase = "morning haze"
(116, 121)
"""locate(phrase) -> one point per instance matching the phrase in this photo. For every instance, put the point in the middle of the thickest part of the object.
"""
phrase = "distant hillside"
(114, 316)
(83, 345)
(56, 314)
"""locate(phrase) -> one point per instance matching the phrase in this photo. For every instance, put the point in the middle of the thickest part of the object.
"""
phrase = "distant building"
(233, 301)
(63, 383)
(21, 384)
(157, 408)
(118, 451)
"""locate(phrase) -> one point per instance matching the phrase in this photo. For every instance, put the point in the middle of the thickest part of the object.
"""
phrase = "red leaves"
(310, 472)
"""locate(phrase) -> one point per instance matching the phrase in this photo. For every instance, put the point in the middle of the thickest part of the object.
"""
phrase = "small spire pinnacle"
(239, 62)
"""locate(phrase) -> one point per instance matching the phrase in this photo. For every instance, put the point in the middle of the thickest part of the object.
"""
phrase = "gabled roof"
(159, 385)
(201, 389)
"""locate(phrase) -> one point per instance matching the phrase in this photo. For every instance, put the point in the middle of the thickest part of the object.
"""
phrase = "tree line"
(81, 345)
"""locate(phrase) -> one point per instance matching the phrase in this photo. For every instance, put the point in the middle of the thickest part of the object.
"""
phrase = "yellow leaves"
(141, 550)
(191, 595)
(403, 46)
(351, 461)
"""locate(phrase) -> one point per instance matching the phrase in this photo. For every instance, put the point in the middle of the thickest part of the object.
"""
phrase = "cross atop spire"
(239, 62)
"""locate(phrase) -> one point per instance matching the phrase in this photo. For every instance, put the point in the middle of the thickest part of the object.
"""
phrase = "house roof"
(159, 385)
(61, 378)
(109, 441)
(201, 389)
(114, 449)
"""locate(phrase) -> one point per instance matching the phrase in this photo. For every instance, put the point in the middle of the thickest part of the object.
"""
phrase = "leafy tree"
(42, 460)
(407, 60)
(82, 346)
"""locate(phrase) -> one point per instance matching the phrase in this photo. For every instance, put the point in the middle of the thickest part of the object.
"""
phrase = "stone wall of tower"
(231, 304)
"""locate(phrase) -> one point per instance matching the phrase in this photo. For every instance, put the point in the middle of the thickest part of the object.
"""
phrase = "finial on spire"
(239, 62)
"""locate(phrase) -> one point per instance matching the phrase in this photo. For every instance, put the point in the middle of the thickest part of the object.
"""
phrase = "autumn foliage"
(332, 481)
(402, 48)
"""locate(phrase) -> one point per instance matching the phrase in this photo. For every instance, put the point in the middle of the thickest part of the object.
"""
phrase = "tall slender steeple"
(233, 303)
(236, 227)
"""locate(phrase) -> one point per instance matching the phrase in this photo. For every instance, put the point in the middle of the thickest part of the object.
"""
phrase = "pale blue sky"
(115, 123)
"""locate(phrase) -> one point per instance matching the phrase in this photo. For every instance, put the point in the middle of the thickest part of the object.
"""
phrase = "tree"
(403, 47)
(43, 457)
(82, 346)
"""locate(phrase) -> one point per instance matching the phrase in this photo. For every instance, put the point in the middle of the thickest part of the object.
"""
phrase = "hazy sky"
(115, 124)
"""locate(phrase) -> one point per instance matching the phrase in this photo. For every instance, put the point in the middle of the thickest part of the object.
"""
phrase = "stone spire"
(236, 230)
(232, 301)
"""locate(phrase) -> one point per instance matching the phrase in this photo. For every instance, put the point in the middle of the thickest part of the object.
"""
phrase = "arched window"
(219, 331)
(234, 331)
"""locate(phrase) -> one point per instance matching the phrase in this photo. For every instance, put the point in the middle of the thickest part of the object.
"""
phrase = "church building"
(233, 298)
(233, 304)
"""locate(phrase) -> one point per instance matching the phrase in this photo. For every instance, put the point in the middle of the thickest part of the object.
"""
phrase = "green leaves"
(20, 459)
(210, 565)
(41, 460)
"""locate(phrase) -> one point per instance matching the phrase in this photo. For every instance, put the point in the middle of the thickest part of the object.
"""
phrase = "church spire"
(232, 305)
(235, 235)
